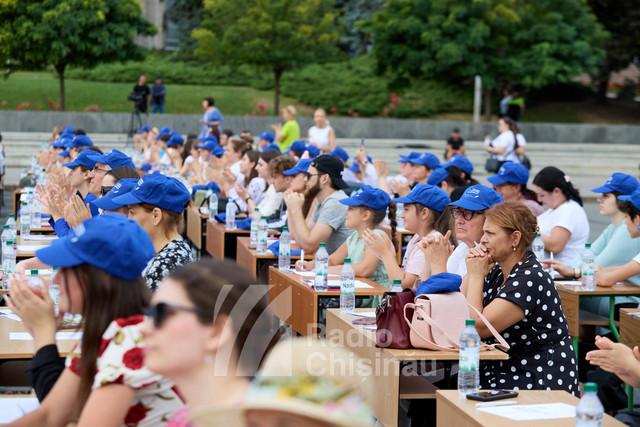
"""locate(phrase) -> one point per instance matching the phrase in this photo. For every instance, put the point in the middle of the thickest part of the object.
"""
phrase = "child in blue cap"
(366, 209)
(157, 204)
(511, 183)
(99, 277)
(423, 215)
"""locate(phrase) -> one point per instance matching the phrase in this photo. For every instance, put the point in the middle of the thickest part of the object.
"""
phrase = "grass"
(41, 88)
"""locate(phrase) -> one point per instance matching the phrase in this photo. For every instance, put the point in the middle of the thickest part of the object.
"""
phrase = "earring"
(514, 248)
(208, 359)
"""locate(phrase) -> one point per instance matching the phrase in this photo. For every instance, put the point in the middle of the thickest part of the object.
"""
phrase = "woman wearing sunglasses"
(207, 329)
(105, 381)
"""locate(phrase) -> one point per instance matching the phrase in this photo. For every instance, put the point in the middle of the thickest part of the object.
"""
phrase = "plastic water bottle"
(34, 163)
(34, 281)
(321, 281)
(284, 253)
(399, 210)
(231, 216)
(538, 247)
(469, 367)
(23, 173)
(6, 234)
(11, 222)
(25, 220)
(588, 268)
(36, 214)
(263, 235)
(347, 287)
(213, 206)
(253, 235)
(8, 263)
(54, 292)
(397, 285)
(589, 412)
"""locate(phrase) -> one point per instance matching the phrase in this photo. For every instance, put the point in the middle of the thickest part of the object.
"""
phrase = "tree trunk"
(487, 104)
(60, 69)
(601, 94)
(277, 74)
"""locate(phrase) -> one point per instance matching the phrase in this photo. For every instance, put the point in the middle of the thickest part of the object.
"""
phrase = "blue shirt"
(61, 228)
(213, 116)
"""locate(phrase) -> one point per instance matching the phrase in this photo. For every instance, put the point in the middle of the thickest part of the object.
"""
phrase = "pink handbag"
(439, 319)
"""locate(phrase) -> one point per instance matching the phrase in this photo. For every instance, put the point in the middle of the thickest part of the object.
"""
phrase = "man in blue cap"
(421, 167)
(104, 163)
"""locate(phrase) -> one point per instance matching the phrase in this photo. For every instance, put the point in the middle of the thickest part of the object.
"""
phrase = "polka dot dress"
(541, 355)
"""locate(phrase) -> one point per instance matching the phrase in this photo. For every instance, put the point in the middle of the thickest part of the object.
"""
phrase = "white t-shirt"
(637, 258)
(456, 263)
(571, 216)
(506, 139)
(319, 136)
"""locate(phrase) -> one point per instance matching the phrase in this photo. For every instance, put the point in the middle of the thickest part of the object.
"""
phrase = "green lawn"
(41, 88)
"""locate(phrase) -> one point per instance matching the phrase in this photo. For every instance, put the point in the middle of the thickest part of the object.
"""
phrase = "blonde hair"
(292, 110)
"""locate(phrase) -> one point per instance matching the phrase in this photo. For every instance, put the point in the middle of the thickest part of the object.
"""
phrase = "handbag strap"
(430, 321)
(502, 343)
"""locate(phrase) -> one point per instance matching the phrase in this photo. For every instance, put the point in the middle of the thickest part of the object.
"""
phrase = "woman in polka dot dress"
(524, 306)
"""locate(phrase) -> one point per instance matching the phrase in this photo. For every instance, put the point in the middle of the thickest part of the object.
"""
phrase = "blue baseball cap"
(442, 282)
(80, 141)
(146, 167)
(123, 186)
(60, 143)
(176, 139)
(271, 147)
(620, 182)
(366, 195)
(209, 138)
(209, 145)
(64, 153)
(428, 195)
(511, 172)
(113, 158)
(355, 167)
(110, 241)
(210, 186)
(158, 190)
(340, 153)
(438, 175)
(461, 162)
(83, 159)
(312, 150)
(427, 159)
(145, 128)
(298, 145)
(217, 151)
(267, 136)
(301, 167)
(477, 198)
(69, 129)
(634, 198)
(163, 131)
(408, 158)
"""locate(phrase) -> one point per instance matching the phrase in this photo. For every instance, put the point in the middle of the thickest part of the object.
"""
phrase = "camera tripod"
(135, 123)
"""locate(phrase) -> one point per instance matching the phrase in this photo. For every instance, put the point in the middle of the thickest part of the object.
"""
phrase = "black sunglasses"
(105, 190)
(466, 214)
(162, 311)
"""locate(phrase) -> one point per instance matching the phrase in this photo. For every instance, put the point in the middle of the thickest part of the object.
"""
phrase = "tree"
(277, 35)
(533, 42)
(353, 40)
(186, 15)
(36, 33)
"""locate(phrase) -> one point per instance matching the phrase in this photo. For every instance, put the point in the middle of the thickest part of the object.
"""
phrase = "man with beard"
(327, 222)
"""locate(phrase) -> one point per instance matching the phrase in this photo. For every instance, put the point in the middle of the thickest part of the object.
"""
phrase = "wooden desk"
(458, 411)
(296, 303)
(385, 363)
(221, 243)
(14, 349)
(33, 245)
(196, 227)
(570, 297)
(250, 259)
(400, 235)
(629, 327)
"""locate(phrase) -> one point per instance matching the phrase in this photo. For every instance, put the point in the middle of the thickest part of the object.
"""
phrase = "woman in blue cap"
(157, 204)
(105, 381)
(423, 215)
(511, 183)
(366, 209)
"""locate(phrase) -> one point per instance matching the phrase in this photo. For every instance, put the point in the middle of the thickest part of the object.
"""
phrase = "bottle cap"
(5, 227)
(34, 272)
(347, 260)
(590, 387)
(322, 245)
(24, 203)
(470, 322)
(9, 242)
(397, 281)
(285, 228)
(538, 235)
(11, 215)
(263, 217)
(256, 210)
(587, 245)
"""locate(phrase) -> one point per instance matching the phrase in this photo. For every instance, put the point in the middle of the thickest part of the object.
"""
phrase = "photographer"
(141, 94)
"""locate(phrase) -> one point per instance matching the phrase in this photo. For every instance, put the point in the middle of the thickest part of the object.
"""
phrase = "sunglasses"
(162, 311)
(105, 190)
(467, 215)
(309, 175)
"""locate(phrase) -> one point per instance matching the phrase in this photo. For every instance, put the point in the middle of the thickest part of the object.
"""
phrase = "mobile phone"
(362, 142)
(489, 395)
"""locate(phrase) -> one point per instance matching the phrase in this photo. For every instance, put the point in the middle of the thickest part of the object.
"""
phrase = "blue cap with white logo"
(113, 158)
(438, 175)
(267, 136)
(83, 159)
(461, 162)
(620, 182)
(366, 195)
(123, 186)
(511, 172)
(158, 190)
(110, 241)
(301, 167)
(427, 159)
(478, 198)
(80, 141)
(428, 195)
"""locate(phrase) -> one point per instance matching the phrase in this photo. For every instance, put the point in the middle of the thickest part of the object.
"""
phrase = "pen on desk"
(551, 271)
(302, 255)
(502, 403)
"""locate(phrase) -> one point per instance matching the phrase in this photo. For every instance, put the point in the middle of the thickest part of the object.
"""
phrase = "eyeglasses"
(97, 169)
(309, 175)
(162, 311)
(467, 215)
(105, 190)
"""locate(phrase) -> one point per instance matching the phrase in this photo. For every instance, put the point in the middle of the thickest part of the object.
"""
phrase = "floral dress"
(121, 361)
(172, 256)
(355, 249)
(541, 355)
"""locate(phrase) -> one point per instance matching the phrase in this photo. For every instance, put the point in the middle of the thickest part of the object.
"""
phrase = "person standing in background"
(142, 94)
(211, 117)
(290, 131)
(455, 145)
(158, 91)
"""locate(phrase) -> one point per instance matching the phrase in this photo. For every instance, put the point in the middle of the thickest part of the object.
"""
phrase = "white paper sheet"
(40, 237)
(12, 408)
(30, 248)
(542, 411)
(568, 282)
(311, 274)
(10, 315)
(358, 284)
(24, 336)
(40, 272)
(365, 314)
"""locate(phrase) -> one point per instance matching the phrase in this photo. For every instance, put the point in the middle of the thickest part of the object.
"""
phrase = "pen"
(302, 255)
(476, 243)
(552, 272)
(504, 402)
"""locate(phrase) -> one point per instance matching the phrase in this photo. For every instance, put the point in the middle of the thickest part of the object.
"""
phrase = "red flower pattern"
(103, 346)
(132, 320)
(134, 358)
(136, 413)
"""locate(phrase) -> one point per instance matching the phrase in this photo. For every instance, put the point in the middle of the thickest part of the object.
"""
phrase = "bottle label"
(347, 286)
(469, 359)
(322, 268)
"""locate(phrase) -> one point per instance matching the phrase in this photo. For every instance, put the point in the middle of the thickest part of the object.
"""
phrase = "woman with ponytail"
(564, 227)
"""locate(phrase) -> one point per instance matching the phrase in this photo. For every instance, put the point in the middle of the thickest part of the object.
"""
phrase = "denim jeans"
(157, 108)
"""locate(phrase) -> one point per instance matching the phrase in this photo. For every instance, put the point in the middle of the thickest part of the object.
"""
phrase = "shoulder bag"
(391, 329)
